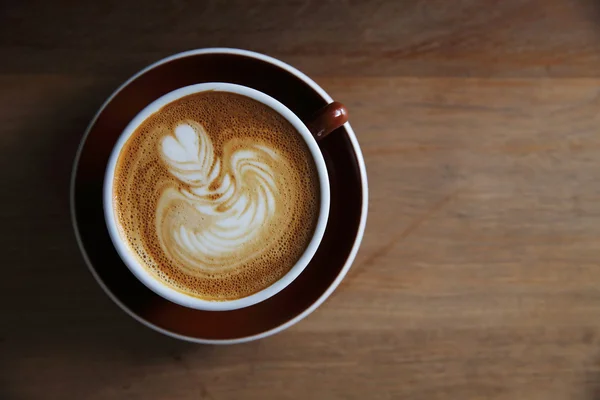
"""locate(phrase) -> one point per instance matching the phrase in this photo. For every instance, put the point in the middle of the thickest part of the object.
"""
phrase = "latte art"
(217, 195)
(235, 197)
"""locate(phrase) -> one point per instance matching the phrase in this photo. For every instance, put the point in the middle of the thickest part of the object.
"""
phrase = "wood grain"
(479, 274)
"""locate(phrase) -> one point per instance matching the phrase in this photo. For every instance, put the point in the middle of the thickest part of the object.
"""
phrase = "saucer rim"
(363, 214)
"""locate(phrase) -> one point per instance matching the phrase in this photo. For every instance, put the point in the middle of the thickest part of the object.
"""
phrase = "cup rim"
(351, 255)
(135, 265)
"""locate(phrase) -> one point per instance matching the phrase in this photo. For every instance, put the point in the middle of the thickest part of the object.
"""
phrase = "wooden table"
(479, 275)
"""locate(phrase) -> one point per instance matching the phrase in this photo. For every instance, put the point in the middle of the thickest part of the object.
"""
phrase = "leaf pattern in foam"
(238, 207)
(189, 154)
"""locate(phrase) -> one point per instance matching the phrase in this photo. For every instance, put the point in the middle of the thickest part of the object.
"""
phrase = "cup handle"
(327, 119)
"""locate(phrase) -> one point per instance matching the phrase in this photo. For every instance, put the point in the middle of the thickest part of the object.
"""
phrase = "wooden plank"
(517, 38)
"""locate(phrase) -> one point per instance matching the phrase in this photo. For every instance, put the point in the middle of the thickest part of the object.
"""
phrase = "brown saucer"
(344, 229)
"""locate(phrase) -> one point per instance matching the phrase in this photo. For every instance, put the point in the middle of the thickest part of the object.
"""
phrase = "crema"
(217, 195)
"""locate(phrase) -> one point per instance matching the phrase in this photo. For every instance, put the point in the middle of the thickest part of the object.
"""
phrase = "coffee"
(217, 195)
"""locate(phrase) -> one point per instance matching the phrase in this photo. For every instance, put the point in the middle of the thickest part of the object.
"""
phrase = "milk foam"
(236, 197)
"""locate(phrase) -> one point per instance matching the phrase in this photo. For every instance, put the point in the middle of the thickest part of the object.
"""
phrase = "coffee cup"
(322, 123)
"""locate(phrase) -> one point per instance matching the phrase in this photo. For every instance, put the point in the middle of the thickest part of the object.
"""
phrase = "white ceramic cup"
(135, 265)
